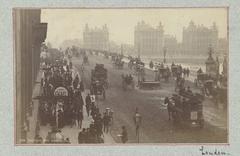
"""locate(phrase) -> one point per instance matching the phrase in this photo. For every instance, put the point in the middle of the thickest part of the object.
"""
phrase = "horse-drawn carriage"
(127, 81)
(207, 83)
(99, 81)
(118, 63)
(186, 109)
(201, 78)
(68, 78)
(52, 108)
(176, 70)
(135, 64)
(180, 82)
(97, 88)
(162, 73)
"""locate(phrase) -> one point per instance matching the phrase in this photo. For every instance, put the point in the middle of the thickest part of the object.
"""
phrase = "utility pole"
(121, 50)
(164, 54)
(138, 51)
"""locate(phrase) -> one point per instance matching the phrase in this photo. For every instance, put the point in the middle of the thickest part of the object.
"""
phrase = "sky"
(67, 24)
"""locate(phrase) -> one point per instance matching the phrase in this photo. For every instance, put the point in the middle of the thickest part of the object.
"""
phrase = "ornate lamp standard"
(164, 54)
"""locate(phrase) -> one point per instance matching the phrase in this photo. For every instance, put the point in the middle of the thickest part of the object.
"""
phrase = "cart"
(188, 113)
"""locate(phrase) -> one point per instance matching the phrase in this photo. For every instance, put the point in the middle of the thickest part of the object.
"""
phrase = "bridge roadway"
(156, 128)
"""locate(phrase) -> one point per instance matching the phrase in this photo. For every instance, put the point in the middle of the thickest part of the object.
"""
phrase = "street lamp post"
(138, 51)
(121, 50)
(164, 54)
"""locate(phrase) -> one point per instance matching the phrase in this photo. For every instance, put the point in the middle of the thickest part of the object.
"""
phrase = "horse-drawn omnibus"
(186, 109)
(99, 82)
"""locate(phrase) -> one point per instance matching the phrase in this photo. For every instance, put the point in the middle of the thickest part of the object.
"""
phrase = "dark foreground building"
(28, 33)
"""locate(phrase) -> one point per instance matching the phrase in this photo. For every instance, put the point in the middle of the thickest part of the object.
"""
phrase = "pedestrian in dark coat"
(106, 122)
(88, 103)
(124, 135)
(82, 136)
(169, 107)
(81, 86)
(99, 125)
(79, 118)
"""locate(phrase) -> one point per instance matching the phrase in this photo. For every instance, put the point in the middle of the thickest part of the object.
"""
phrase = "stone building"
(148, 40)
(97, 38)
(222, 47)
(197, 39)
(29, 33)
(171, 45)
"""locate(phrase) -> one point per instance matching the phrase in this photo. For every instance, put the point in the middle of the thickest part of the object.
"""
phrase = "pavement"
(156, 128)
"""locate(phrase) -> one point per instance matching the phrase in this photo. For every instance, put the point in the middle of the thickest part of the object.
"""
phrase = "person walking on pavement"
(137, 120)
(88, 103)
(169, 107)
(99, 125)
(124, 135)
(106, 122)
(79, 118)
(81, 136)
(81, 86)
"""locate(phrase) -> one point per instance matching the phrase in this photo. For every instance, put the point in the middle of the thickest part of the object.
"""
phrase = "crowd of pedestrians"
(100, 123)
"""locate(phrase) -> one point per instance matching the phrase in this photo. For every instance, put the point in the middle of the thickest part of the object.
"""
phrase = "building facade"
(171, 45)
(29, 33)
(197, 39)
(97, 38)
(148, 40)
(222, 47)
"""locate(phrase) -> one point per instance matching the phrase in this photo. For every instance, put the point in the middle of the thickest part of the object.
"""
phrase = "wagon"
(97, 88)
(188, 113)
(208, 87)
(201, 78)
(176, 70)
(99, 73)
(162, 73)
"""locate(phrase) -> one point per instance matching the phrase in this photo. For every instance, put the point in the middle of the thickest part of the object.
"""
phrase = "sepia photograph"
(121, 76)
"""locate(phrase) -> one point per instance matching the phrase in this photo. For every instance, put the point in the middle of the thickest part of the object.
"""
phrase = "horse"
(127, 81)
